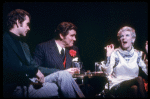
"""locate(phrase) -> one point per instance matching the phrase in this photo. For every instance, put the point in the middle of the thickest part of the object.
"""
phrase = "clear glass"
(77, 65)
(97, 67)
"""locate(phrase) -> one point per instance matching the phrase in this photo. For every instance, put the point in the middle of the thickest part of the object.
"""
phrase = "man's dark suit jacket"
(17, 68)
(46, 54)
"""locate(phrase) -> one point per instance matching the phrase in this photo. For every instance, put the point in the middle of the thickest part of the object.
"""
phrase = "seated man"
(21, 76)
(49, 54)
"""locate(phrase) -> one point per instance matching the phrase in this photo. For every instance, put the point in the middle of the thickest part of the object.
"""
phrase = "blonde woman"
(122, 66)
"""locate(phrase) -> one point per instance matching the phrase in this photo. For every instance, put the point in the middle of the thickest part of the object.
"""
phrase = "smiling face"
(126, 40)
(69, 39)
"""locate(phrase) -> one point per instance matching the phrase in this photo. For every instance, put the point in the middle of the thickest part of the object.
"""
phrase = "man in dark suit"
(22, 77)
(49, 54)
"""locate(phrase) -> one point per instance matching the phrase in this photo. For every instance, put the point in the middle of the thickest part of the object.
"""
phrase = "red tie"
(64, 63)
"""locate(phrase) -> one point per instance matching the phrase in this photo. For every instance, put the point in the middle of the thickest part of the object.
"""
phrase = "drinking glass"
(77, 65)
(97, 67)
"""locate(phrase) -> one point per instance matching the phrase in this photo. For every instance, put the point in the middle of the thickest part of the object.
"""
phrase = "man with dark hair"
(48, 54)
(14, 15)
(22, 77)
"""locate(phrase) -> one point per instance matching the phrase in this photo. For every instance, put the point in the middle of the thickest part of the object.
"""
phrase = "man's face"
(24, 27)
(126, 40)
(70, 38)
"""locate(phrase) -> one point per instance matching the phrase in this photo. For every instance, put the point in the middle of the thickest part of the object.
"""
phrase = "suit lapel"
(68, 59)
(55, 55)
(26, 51)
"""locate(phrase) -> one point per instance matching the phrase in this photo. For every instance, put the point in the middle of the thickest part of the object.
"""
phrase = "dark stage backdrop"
(97, 22)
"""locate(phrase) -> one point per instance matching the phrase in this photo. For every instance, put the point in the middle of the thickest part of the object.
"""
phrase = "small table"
(96, 79)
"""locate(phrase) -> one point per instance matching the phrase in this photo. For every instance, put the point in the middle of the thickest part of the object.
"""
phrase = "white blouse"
(123, 65)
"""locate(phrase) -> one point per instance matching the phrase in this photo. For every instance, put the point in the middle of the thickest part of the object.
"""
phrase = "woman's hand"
(109, 49)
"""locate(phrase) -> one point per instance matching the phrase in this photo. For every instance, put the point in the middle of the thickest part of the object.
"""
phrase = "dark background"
(97, 22)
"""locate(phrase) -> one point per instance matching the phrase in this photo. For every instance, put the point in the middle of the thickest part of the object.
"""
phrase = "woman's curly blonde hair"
(127, 28)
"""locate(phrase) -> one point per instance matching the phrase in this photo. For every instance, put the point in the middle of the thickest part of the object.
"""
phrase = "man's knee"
(65, 73)
(47, 91)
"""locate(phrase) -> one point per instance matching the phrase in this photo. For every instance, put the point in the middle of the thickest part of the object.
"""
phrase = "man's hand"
(72, 70)
(40, 77)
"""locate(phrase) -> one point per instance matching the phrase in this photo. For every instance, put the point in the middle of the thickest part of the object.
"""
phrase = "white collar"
(125, 52)
(59, 47)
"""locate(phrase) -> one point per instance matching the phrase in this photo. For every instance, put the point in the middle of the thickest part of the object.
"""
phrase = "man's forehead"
(27, 18)
(71, 32)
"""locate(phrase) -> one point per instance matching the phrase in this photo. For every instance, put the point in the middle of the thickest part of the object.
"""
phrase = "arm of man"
(39, 55)
(15, 70)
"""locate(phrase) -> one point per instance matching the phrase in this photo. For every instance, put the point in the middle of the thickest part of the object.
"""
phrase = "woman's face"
(126, 40)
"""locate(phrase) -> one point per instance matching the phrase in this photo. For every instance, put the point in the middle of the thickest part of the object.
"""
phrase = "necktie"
(63, 57)
(64, 63)
(62, 53)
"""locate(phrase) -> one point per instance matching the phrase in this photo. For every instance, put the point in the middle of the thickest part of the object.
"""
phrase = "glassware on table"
(77, 65)
(98, 67)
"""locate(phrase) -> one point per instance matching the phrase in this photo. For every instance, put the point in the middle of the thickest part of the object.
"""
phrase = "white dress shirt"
(59, 48)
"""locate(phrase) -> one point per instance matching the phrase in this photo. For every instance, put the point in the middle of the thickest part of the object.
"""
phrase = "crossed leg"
(130, 88)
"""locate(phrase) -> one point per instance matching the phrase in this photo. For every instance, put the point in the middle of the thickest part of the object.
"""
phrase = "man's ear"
(18, 24)
(61, 36)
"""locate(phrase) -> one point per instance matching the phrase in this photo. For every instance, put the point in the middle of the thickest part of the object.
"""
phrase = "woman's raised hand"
(109, 49)
(146, 47)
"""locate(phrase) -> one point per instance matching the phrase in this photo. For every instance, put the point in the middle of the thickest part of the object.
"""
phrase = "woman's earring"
(132, 42)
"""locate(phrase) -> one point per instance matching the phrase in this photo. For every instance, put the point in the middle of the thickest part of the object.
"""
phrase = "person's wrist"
(108, 54)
